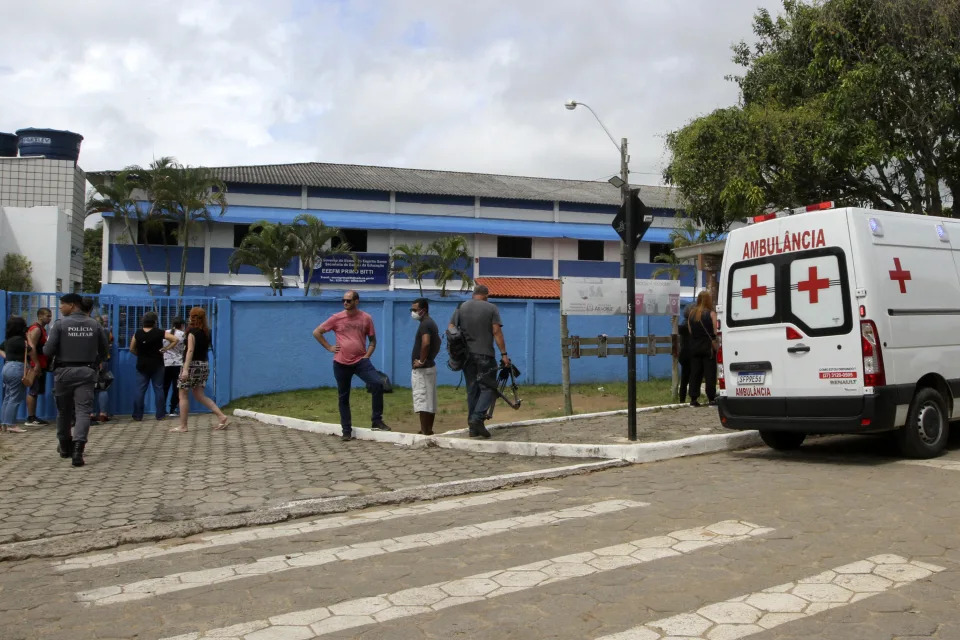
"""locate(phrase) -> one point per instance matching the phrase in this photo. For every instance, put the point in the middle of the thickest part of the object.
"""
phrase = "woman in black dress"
(196, 370)
(703, 334)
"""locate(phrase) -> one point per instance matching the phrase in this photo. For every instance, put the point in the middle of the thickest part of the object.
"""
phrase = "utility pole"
(630, 273)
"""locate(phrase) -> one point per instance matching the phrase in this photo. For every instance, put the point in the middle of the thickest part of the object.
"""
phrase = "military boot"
(78, 453)
(65, 448)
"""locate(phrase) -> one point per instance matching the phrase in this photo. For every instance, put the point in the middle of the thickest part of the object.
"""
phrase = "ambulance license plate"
(751, 377)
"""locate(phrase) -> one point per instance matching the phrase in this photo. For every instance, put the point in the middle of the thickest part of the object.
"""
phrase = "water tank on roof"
(8, 145)
(49, 143)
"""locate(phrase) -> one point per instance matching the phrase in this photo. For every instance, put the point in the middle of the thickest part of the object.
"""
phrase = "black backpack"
(457, 348)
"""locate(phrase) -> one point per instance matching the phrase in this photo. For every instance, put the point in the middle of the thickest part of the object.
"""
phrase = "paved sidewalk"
(657, 425)
(139, 473)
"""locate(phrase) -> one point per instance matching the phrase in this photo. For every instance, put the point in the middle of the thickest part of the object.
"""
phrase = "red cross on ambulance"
(900, 275)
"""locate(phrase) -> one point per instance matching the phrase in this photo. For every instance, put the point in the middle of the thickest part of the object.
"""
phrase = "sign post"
(607, 297)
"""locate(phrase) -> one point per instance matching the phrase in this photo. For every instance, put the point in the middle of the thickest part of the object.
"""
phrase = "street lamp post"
(629, 272)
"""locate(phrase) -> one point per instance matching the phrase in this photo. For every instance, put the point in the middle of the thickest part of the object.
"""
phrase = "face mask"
(415, 315)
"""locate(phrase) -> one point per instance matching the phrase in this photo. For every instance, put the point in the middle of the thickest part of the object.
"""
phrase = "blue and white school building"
(524, 233)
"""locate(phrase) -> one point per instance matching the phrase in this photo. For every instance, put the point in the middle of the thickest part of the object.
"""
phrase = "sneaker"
(712, 403)
(347, 437)
(34, 421)
(380, 426)
(694, 404)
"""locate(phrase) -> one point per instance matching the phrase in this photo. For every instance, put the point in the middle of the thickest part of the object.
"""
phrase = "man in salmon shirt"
(351, 357)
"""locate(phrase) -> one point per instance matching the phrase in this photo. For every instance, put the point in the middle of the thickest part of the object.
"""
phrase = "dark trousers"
(703, 369)
(170, 376)
(74, 393)
(367, 372)
(684, 378)
(149, 379)
(479, 396)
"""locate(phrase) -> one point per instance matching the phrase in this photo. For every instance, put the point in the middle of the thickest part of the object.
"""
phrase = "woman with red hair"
(196, 370)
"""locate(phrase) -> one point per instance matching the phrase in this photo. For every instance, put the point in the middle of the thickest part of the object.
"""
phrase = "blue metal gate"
(122, 316)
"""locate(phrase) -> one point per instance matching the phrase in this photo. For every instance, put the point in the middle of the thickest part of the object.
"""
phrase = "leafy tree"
(16, 274)
(845, 100)
(184, 195)
(118, 197)
(313, 242)
(92, 262)
(413, 262)
(450, 260)
(269, 248)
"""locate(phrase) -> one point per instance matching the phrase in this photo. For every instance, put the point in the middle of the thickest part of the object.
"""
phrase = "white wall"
(42, 235)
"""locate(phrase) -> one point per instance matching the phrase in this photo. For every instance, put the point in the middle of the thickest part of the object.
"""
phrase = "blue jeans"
(14, 393)
(101, 399)
(479, 397)
(367, 372)
(153, 379)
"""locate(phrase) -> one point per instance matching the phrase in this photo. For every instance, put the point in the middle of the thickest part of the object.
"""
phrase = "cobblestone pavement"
(652, 426)
(839, 540)
(139, 472)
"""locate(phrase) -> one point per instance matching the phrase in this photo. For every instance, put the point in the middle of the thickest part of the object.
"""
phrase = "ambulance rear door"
(790, 332)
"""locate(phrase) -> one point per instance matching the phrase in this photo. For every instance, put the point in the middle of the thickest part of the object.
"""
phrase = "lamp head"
(570, 104)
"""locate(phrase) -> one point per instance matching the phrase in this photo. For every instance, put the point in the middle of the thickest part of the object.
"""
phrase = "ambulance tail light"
(873, 375)
(820, 206)
(793, 334)
(721, 381)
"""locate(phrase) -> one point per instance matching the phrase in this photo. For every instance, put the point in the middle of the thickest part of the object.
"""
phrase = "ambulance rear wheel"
(926, 431)
(782, 440)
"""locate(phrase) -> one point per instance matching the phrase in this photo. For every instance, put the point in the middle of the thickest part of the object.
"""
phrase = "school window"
(156, 232)
(512, 247)
(356, 238)
(658, 249)
(590, 250)
(240, 232)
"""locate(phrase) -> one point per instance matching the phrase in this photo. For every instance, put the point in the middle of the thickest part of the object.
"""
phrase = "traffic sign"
(642, 219)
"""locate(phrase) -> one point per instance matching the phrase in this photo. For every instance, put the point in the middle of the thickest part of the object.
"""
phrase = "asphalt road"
(841, 540)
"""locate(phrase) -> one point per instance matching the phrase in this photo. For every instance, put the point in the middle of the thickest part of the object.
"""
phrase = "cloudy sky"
(474, 85)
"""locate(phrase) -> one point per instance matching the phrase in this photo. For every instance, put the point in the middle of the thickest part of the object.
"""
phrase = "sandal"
(178, 430)
(222, 424)
(104, 417)
(14, 429)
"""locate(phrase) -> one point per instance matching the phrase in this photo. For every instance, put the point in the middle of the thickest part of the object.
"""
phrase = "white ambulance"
(841, 321)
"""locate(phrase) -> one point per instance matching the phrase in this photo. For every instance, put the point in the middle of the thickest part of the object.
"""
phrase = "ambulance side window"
(819, 292)
(752, 296)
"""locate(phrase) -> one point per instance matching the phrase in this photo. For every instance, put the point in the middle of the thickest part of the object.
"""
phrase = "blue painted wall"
(123, 258)
(220, 256)
(528, 267)
(264, 345)
(271, 348)
(588, 269)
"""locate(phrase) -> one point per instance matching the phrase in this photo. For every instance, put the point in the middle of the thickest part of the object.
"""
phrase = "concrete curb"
(642, 452)
(86, 541)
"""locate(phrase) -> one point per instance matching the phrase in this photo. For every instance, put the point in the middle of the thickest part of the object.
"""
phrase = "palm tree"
(313, 242)
(269, 248)
(412, 261)
(117, 197)
(185, 195)
(450, 261)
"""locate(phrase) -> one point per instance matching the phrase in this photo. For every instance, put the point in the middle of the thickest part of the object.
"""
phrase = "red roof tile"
(543, 288)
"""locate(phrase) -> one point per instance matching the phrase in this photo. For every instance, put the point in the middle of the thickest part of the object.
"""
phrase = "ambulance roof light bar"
(820, 206)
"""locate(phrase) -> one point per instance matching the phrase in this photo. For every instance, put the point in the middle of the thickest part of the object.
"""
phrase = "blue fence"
(264, 344)
(122, 316)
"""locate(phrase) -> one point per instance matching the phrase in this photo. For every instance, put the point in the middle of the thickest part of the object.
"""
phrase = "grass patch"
(539, 401)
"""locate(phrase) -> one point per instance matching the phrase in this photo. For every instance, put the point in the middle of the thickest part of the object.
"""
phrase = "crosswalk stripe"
(441, 595)
(287, 562)
(296, 529)
(746, 615)
(949, 465)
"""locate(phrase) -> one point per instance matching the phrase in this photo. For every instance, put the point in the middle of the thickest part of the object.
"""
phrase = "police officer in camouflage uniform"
(78, 344)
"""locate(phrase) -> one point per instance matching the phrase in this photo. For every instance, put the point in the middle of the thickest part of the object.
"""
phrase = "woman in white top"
(172, 362)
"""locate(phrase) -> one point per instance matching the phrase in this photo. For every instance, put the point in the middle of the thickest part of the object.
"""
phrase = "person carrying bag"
(703, 348)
